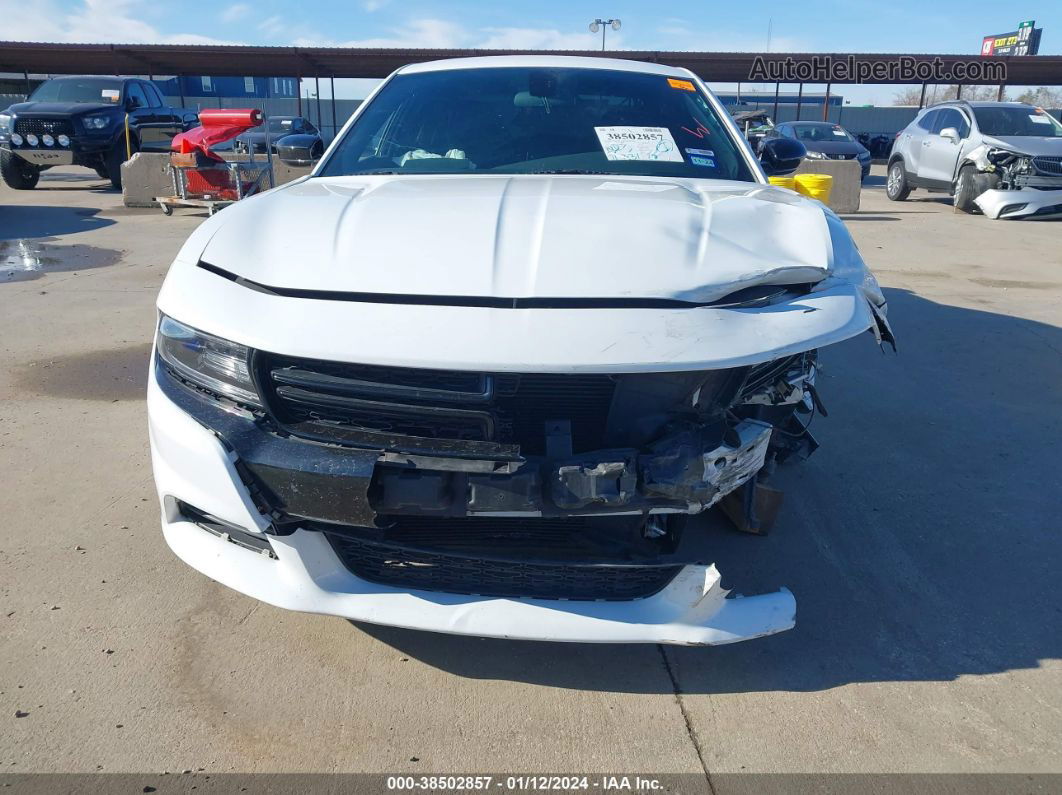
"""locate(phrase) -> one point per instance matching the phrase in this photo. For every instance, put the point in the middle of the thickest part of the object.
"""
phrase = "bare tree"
(1044, 97)
(912, 94)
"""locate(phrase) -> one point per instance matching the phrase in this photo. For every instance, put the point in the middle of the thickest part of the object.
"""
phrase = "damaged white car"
(472, 375)
(1002, 158)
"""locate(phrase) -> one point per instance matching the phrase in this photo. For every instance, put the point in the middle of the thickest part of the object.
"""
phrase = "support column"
(333, 86)
(826, 104)
(800, 99)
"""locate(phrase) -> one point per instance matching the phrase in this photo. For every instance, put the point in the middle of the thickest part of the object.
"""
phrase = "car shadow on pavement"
(18, 221)
(922, 541)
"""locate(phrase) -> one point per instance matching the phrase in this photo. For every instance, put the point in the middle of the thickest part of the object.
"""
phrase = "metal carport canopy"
(220, 60)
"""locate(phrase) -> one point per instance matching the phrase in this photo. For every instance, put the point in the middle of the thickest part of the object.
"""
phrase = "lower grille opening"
(502, 557)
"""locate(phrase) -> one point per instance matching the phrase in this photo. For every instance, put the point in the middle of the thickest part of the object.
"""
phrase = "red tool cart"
(201, 177)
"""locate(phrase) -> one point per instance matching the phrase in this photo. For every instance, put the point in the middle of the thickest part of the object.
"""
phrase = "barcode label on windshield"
(638, 143)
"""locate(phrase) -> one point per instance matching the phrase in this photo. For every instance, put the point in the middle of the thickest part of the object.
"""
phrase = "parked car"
(527, 315)
(827, 141)
(1004, 158)
(278, 128)
(81, 121)
(755, 125)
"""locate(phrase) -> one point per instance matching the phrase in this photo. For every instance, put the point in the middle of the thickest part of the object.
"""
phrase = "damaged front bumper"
(255, 527)
(1025, 203)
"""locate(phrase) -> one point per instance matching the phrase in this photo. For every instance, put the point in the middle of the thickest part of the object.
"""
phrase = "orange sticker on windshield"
(685, 85)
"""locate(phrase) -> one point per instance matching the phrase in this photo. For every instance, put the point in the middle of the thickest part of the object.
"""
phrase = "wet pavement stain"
(119, 374)
(22, 260)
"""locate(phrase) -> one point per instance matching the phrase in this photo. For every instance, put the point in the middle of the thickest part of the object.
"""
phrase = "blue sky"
(810, 25)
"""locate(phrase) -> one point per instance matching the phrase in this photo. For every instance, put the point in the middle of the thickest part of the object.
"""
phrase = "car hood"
(59, 108)
(1026, 144)
(520, 236)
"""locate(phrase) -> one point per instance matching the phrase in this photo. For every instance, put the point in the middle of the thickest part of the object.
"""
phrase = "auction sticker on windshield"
(638, 143)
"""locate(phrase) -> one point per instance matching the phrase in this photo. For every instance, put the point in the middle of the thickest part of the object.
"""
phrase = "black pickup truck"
(81, 121)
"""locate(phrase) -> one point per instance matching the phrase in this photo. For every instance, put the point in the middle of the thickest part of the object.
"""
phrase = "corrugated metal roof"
(198, 59)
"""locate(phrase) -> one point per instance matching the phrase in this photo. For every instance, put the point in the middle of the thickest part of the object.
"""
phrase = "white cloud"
(235, 12)
(272, 26)
(443, 34)
(93, 21)
(430, 33)
(545, 39)
(374, 5)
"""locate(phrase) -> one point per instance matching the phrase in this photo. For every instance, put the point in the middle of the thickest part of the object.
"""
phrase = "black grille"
(454, 572)
(43, 126)
(439, 405)
(840, 157)
(1051, 166)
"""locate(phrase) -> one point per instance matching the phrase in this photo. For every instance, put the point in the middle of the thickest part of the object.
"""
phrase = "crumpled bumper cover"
(305, 574)
(1015, 204)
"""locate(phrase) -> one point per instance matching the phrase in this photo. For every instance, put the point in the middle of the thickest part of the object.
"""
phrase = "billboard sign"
(1023, 41)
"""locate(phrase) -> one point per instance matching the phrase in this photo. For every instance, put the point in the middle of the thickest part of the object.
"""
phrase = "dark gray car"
(826, 141)
(278, 127)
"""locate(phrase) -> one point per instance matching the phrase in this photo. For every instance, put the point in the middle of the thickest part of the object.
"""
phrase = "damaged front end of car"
(1013, 185)
(520, 468)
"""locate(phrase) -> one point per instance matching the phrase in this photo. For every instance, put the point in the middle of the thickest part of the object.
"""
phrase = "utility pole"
(603, 25)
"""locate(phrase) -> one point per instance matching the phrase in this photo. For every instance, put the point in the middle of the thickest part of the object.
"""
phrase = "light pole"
(603, 25)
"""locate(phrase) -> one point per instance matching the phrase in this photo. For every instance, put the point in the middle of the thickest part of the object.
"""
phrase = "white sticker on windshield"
(1036, 117)
(839, 133)
(110, 94)
(638, 143)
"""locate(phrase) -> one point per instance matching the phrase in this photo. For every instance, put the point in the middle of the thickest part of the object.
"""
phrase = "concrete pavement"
(922, 543)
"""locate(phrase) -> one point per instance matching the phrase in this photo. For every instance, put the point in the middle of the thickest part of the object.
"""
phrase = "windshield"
(280, 124)
(524, 120)
(1007, 122)
(821, 132)
(88, 89)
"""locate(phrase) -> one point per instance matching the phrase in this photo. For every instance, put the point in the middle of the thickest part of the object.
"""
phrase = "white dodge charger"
(475, 373)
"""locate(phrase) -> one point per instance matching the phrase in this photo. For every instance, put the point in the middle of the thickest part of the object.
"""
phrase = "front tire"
(17, 173)
(896, 187)
(966, 190)
(116, 157)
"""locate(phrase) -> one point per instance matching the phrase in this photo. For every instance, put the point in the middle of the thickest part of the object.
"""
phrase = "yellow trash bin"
(783, 182)
(815, 186)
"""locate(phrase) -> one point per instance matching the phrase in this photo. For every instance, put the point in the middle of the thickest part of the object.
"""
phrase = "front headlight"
(96, 122)
(7, 123)
(210, 362)
(815, 155)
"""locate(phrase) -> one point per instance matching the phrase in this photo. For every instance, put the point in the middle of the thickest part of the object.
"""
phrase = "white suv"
(472, 375)
(1004, 158)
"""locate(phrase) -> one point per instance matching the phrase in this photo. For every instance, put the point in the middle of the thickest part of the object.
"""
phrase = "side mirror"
(132, 103)
(951, 134)
(298, 149)
(780, 156)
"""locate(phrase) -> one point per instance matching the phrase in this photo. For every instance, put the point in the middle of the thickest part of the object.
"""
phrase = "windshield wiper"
(570, 171)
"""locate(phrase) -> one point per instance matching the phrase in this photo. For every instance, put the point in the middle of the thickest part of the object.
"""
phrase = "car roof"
(958, 103)
(558, 61)
(64, 78)
(814, 123)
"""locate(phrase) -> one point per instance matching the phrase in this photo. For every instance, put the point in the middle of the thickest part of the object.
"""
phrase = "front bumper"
(304, 573)
(1027, 203)
(81, 151)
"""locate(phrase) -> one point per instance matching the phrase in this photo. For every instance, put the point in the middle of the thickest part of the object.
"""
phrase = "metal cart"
(216, 186)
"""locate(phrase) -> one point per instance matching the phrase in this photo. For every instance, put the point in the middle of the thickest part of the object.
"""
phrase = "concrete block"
(847, 181)
(147, 175)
